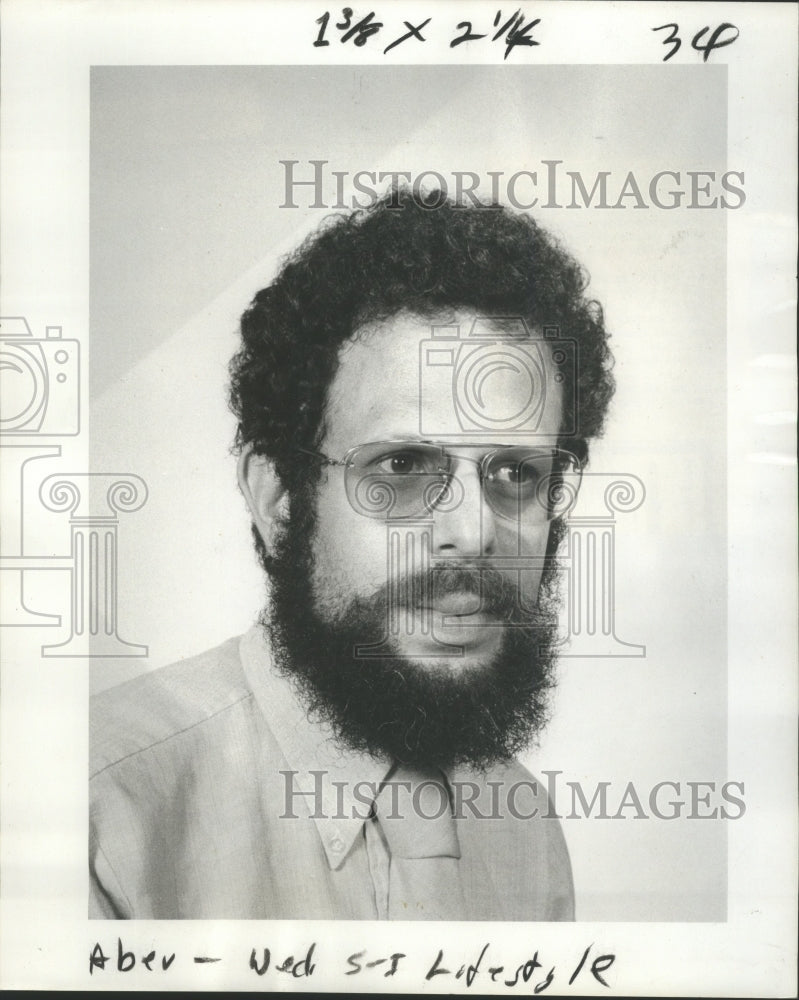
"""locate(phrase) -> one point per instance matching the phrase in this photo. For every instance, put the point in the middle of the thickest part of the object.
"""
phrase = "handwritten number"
(467, 36)
(672, 39)
(322, 22)
(517, 32)
(346, 13)
(713, 42)
(363, 30)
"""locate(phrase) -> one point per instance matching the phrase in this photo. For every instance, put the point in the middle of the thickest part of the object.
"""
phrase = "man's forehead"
(385, 355)
(431, 377)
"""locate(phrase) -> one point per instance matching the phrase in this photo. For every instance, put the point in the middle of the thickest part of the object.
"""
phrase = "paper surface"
(157, 164)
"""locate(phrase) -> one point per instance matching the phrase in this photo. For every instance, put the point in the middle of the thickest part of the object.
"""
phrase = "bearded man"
(415, 391)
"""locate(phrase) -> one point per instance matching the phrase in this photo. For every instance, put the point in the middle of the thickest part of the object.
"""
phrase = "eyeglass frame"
(577, 457)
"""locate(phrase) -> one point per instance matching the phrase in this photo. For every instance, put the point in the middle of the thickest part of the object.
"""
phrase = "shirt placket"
(379, 865)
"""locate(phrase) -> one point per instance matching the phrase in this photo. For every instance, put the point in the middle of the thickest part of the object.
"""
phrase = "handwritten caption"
(532, 971)
(518, 30)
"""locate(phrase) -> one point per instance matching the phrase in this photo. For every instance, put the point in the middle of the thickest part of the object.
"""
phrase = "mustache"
(498, 594)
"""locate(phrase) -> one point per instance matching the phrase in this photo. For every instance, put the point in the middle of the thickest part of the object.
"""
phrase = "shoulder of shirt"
(148, 710)
(516, 770)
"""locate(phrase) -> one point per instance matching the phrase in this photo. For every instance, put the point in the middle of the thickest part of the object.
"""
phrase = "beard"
(390, 705)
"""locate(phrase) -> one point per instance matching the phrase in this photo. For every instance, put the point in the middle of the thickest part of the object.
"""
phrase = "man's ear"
(263, 492)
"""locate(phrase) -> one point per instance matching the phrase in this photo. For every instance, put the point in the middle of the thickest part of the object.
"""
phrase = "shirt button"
(337, 844)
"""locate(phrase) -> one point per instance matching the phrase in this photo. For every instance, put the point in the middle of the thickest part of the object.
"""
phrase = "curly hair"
(402, 255)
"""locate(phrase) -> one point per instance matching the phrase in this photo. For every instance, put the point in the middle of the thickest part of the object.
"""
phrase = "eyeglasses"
(404, 479)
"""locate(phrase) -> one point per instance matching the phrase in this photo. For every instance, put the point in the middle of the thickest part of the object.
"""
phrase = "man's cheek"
(515, 538)
(343, 573)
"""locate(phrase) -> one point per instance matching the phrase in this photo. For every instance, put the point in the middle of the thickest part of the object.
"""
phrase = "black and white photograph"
(398, 449)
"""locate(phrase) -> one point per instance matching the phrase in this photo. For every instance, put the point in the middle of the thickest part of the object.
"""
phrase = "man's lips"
(461, 604)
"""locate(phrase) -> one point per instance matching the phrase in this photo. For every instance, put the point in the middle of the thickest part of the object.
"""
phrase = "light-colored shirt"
(214, 796)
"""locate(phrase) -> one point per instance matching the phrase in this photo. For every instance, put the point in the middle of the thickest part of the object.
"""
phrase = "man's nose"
(467, 528)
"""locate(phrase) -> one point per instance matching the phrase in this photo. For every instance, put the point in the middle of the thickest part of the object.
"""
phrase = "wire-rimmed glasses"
(415, 478)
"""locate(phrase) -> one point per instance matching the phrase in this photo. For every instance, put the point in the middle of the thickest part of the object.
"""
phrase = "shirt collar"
(339, 785)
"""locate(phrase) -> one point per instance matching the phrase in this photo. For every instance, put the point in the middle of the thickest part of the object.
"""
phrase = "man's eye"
(515, 474)
(520, 476)
(400, 463)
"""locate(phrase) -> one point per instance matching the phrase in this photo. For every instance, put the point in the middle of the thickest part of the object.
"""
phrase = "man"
(414, 393)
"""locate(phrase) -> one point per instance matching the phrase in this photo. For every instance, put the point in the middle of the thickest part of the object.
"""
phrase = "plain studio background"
(186, 186)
